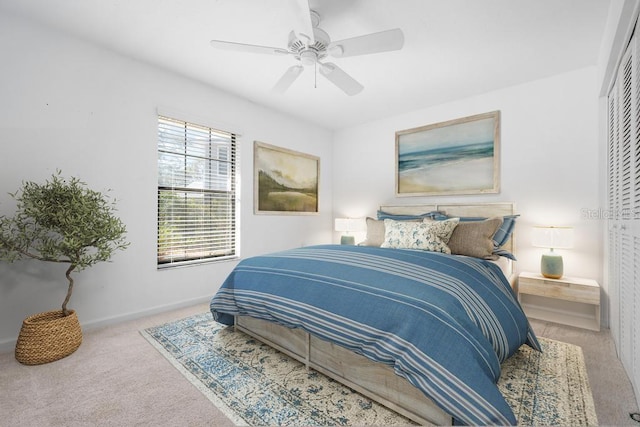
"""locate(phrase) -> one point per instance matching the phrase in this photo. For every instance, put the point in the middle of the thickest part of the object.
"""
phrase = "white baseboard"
(10, 344)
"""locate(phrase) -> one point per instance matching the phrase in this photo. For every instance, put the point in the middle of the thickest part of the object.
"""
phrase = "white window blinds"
(196, 193)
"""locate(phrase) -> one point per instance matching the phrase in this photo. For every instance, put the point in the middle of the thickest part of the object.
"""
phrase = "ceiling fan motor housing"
(309, 54)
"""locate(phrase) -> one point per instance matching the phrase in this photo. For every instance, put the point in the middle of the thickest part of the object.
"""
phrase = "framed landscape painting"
(460, 156)
(285, 181)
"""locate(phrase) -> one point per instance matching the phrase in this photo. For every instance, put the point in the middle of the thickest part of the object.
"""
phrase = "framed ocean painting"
(460, 156)
(285, 181)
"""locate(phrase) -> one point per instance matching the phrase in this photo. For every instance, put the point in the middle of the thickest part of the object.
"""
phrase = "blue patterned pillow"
(427, 236)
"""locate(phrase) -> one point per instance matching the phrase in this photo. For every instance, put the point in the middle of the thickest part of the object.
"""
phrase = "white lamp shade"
(350, 224)
(552, 237)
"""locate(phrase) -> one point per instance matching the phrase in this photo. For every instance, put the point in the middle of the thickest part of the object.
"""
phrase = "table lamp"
(348, 225)
(552, 237)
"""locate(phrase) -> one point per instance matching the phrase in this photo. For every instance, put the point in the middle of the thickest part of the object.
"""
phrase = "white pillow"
(427, 236)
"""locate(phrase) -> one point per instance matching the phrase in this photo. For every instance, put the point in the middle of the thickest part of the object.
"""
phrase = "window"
(196, 193)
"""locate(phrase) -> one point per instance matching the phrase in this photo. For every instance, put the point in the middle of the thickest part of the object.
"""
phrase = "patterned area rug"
(255, 385)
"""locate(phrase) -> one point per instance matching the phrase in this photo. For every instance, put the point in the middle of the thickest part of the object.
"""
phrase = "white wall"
(91, 113)
(550, 162)
(69, 105)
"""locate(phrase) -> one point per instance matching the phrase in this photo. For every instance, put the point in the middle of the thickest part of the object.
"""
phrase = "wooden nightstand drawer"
(559, 289)
(570, 300)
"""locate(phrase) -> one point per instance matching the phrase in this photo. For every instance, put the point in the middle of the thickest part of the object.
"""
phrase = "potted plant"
(60, 221)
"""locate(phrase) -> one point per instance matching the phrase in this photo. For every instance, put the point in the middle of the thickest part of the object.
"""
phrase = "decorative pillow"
(375, 233)
(444, 229)
(505, 253)
(429, 236)
(503, 234)
(402, 217)
(475, 238)
(375, 230)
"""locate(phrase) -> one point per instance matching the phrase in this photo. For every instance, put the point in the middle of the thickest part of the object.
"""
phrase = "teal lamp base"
(347, 240)
(551, 265)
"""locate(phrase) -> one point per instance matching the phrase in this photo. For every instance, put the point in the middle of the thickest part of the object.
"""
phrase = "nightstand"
(570, 300)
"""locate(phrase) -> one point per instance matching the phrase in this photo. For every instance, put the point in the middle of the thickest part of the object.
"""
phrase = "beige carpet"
(117, 379)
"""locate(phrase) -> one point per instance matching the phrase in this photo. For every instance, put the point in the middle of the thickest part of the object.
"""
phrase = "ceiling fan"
(310, 46)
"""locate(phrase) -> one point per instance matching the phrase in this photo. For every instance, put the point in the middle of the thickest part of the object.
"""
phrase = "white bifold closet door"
(623, 189)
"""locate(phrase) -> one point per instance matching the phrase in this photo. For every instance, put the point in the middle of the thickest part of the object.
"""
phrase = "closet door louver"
(612, 190)
(634, 222)
(623, 197)
(626, 251)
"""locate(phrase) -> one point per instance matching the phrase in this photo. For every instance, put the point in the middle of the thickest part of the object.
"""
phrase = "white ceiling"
(453, 48)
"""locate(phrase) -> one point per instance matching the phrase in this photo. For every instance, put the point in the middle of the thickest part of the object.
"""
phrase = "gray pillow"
(375, 232)
(475, 238)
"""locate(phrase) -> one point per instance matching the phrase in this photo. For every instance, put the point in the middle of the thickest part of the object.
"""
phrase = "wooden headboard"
(486, 210)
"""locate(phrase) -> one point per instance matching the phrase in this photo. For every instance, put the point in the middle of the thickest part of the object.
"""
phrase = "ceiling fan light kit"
(312, 45)
(308, 57)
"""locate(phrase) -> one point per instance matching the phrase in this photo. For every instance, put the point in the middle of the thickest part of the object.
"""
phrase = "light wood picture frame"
(286, 182)
(460, 156)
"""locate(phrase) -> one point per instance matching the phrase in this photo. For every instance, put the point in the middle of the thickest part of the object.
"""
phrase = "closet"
(623, 213)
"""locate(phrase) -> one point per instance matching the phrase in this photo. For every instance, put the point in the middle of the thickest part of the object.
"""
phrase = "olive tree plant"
(62, 221)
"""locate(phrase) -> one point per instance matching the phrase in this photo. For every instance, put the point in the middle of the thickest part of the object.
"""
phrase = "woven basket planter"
(49, 336)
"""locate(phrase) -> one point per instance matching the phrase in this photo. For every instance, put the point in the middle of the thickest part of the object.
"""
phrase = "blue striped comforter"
(443, 322)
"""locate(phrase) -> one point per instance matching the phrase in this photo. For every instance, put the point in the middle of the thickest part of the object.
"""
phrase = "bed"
(422, 332)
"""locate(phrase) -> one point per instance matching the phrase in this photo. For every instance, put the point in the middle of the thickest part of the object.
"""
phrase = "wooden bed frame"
(372, 379)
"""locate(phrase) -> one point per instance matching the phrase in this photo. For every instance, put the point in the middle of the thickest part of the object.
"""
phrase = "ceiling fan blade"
(288, 78)
(304, 28)
(338, 77)
(252, 48)
(384, 41)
